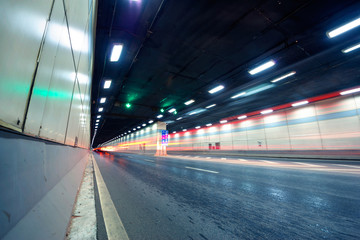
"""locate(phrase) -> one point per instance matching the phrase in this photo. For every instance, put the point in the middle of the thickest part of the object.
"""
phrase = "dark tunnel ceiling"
(178, 50)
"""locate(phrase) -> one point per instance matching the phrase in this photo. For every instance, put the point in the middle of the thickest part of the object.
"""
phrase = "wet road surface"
(174, 198)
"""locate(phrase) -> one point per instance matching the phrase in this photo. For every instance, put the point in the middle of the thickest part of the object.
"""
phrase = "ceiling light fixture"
(179, 118)
(350, 91)
(134, 129)
(184, 130)
(98, 116)
(344, 28)
(144, 125)
(98, 120)
(209, 124)
(189, 102)
(101, 109)
(267, 111)
(210, 106)
(262, 67)
(223, 121)
(172, 110)
(138, 127)
(197, 127)
(151, 121)
(352, 48)
(102, 100)
(174, 131)
(159, 116)
(216, 89)
(107, 84)
(116, 52)
(299, 103)
(242, 117)
(283, 77)
(238, 95)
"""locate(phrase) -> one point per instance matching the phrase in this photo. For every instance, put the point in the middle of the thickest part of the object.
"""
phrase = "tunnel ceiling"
(174, 51)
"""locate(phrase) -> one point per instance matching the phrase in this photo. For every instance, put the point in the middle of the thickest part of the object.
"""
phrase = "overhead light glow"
(344, 28)
(174, 131)
(350, 91)
(283, 77)
(267, 111)
(129, 131)
(216, 89)
(189, 102)
(144, 125)
(159, 116)
(151, 121)
(128, 105)
(102, 100)
(172, 110)
(299, 103)
(134, 129)
(238, 95)
(210, 106)
(352, 48)
(101, 109)
(179, 118)
(107, 84)
(242, 117)
(223, 121)
(116, 52)
(98, 120)
(98, 116)
(162, 110)
(138, 127)
(197, 127)
(262, 67)
(209, 124)
(184, 130)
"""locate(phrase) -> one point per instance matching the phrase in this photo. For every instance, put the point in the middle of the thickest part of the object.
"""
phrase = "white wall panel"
(278, 144)
(340, 125)
(22, 26)
(258, 144)
(240, 145)
(76, 120)
(341, 141)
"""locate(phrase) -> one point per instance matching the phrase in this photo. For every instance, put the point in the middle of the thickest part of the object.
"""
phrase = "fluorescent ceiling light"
(98, 120)
(134, 129)
(350, 91)
(223, 121)
(129, 131)
(116, 52)
(189, 102)
(174, 131)
(352, 48)
(151, 121)
(184, 130)
(101, 109)
(262, 67)
(125, 133)
(159, 116)
(283, 77)
(242, 117)
(98, 116)
(260, 88)
(216, 89)
(210, 106)
(172, 110)
(107, 84)
(299, 103)
(102, 100)
(267, 111)
(197, 127)
(144, 125)
(239, 95)
(138, 127)
(179, 118)
(343, 28)
(209, 124)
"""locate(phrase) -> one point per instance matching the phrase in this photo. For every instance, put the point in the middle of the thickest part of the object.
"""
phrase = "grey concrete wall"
(37, 176)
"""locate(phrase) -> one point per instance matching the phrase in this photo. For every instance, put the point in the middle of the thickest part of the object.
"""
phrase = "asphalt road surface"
(198, 197)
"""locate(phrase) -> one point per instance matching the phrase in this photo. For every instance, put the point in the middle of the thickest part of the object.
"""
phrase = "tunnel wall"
(146, 140)
(332, 124)
(45, 67)
(45, 81)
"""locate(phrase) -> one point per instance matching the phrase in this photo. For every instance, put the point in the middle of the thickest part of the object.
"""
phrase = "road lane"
(159, 198)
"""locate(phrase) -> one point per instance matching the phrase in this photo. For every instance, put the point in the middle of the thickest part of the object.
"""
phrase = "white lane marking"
(208, 157)
(308, 164)
(269, 162)
(349, 166)
(223, 158)
(114, 227)
(203, 170)
(149, 160)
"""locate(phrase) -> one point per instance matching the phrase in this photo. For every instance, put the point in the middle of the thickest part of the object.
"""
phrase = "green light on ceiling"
(162, 110)
(175, 112)
(128, 105)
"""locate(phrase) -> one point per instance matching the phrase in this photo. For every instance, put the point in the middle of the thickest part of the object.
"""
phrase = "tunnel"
(164, 119)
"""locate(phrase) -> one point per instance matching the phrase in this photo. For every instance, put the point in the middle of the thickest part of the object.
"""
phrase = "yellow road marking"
(114, 227)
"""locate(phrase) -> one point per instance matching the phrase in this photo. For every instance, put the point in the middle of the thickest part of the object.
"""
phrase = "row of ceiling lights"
(117, 49)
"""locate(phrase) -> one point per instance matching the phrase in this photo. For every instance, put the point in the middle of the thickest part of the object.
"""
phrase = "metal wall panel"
(22, 26)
